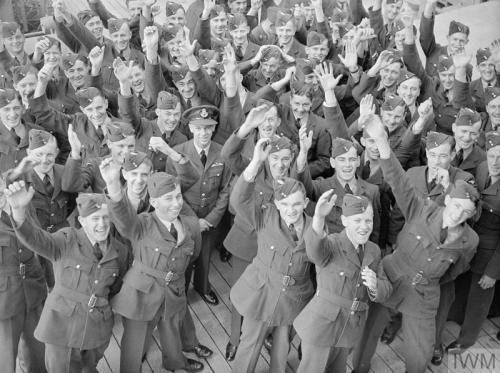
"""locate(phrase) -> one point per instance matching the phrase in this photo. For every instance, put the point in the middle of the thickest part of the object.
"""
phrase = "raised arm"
(427, 38)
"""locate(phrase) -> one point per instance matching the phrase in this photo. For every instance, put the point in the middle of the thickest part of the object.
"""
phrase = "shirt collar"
(42, 176)
(198, 149)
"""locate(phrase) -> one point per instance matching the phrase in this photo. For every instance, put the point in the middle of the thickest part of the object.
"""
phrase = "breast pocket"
(214, 176)
(4, 246)
(109, 275)
(74, 272)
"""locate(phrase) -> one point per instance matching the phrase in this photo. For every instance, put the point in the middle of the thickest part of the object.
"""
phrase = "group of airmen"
(353, 190)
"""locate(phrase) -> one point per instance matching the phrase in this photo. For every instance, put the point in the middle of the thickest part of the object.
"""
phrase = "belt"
(416, 277)
(286, 280)
(19, 270)
(354, 305)
(166, 276)
(91, 301)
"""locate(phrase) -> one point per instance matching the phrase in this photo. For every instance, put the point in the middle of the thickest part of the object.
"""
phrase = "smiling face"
(392, 119)
(46, 155)
(119, 149)
(168, 119)
(389, 75)
(97, 224)
(409, 90)
(135, 7)
(399, 39)
(457, 210)
(26, 86)
(137, 179)
(487, 70)
(174, 45)
(52, 55)
(239, 34)
(359, 227)
(447, 78)
(392, 11)
(186, 87)
(15, 43)
(440, 156)
(179, 18)
(121, 38)
(218, 25)
(237, 6)
(466, 136)
(371, 148)
(137, 79)
(345, 165)
(77, 74)
(269, 67)
(96, 111)
(286, 32)
(292, 207)
(95, 26)
(279, 162)
(493, 159)
(318, 52)
(202, 134)
(10, 115)
(301, 105)
(457, 41)
(493, 110)
(168, 206)
(270, 123)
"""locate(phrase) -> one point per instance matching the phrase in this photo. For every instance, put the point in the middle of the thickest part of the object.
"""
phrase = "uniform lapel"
(193, 154)
(211, 156)
(58, 171)
(349, 250)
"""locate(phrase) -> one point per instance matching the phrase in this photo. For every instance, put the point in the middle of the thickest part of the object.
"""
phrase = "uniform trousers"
(252, 338)
(61, 359)
(238, 267)
(20, 327)
(419, 335)
(201, 265)
(136, 337)
(323, 359)
(376, 323)
(477, 306)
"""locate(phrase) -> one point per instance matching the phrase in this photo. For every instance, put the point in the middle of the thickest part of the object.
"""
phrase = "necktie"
(297, 122)
(173, 231)
(49, 189)
(203, 158)
(97, 251)
(365, 171)
(165, 138)
(238, 53)
(99, 132)
(17, 139)
(488, 183)
(361, 253)
(188, 103)
(459, 157)
(443, 234)
(348, 189)
(293, 232)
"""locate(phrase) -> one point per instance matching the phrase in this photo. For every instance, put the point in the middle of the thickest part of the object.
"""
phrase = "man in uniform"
(12, 51)
(485, 265)
(286, 27)
(209, 196)
(21, 300)
(332, 322)
(488, 78)
(153, 293)
(435, 246)
(77, 319)
(276, 285)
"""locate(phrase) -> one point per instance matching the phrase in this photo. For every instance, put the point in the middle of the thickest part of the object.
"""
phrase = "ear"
(363, 142)
(106, 103)
(81, 220)
(66, 74)
(447, 200)
(344, 220)
(124, 174)
(28, 151)
(276, 203)
(358, 161)
(306, 202)
(308, 50)
(332, 162)
(156, 112)
(453, 128)
(154, 202)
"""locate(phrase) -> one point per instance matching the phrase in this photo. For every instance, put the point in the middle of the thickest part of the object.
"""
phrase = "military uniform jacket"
(420, 262)
(209, 196)
(418, 179)
(384, 36)
(487, 259)
(157, 273)
(276, 286)
(445, 110)
(77, 313)
(53, 120)
(11, 153)
(473, 159)
(315, 188)
(328, 320)
(431, 49)
(22, 281)
(477, 93)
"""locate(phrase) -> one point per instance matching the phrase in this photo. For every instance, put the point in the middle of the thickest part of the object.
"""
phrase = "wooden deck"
(213, 328)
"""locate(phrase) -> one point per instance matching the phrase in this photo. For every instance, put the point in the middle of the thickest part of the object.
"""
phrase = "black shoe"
(224, 255)
(201, 351)
(437, 356)
(210, 298)
(230, 351)
(193, 366)
(388, 336)
(455, 348)
(268, 342)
